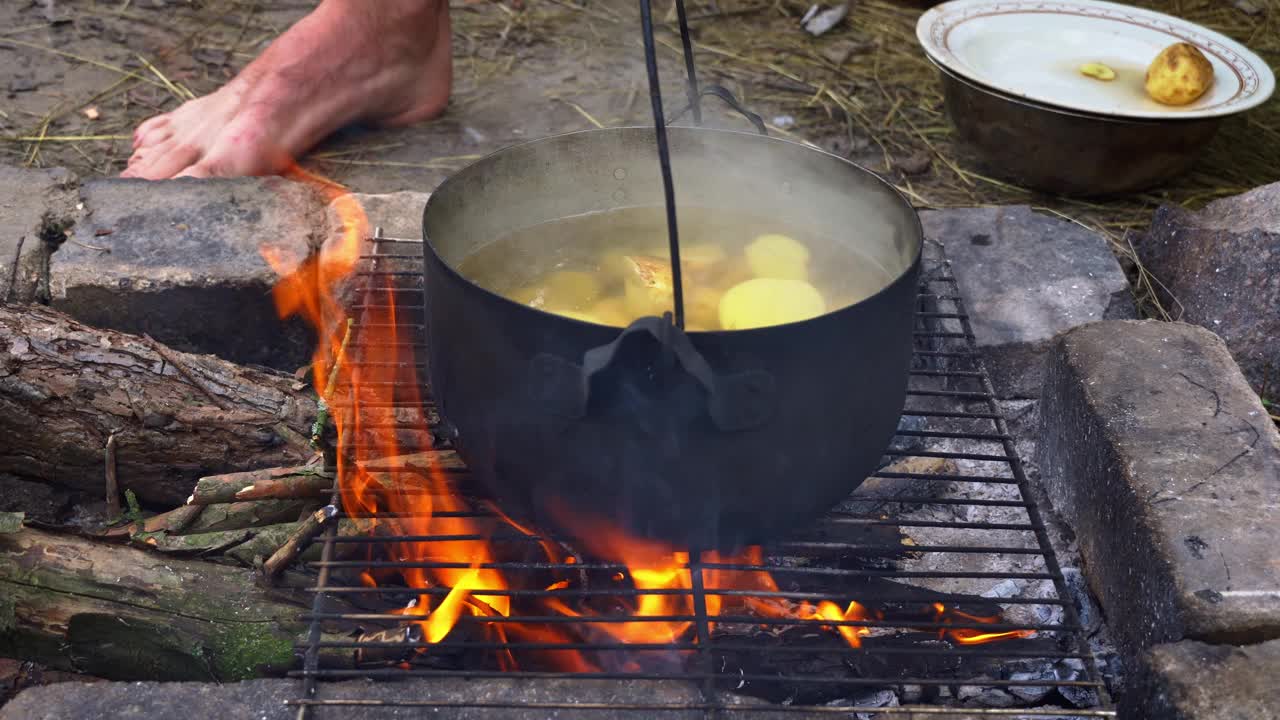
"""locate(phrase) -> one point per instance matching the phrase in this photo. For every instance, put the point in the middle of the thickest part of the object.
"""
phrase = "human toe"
(152, 131)
(163, 161)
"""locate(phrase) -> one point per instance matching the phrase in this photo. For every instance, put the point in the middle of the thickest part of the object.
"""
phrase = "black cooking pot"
(701, 439)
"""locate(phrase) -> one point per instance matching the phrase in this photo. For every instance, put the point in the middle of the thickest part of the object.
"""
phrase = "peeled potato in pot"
(702, 308)
(614, 265)
(763, 302)
(650, 290)
(531, 295)
(572, 288)
(1179, 75)
(700, 261)
(561, 290)
(583, 316)
(612, 311)
(778, 256)
(649, 286)
(737, 270)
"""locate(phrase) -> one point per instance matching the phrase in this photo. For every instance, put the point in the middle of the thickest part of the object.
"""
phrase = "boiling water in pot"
(739, 272)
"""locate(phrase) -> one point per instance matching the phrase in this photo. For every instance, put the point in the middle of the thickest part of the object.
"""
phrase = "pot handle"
(731, 101)
(723, 93)
(735, 402)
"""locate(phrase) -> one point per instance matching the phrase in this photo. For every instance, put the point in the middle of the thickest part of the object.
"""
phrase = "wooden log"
(248, 514)
(65, 386)
(266, 540)
(207, 543)
(174, 521)
(308, 481)
(446, 461)
(296, 486)
(127, 614)
(302, 536)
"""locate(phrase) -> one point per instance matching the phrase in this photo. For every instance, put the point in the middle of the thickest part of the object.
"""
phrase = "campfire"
(265, 533)
(443, 580)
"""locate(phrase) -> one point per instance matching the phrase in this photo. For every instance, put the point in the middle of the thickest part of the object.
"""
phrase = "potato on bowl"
(1179, 75)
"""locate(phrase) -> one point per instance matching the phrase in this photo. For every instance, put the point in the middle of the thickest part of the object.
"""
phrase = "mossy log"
(249, 514)
(172, 522)
(127, 614)
(65, 387)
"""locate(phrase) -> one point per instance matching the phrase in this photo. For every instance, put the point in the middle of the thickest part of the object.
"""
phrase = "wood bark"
(293, 482)
(127, 614)
(65, 387)
(172, 522)
(249, 514)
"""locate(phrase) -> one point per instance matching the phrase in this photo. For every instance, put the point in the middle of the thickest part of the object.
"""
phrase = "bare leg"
(381, 61)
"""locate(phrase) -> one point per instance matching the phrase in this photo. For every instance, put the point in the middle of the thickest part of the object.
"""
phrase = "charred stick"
(113, 485)
(190, 377)
(407, 640)
(298, 541)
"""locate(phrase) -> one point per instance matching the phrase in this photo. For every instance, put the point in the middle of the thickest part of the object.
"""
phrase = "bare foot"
(386, 62)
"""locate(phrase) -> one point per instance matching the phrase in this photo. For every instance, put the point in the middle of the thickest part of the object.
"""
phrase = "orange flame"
(374, 374)
(972, 636)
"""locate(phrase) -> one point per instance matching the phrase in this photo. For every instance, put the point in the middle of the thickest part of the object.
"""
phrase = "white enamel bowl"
(1033, 50)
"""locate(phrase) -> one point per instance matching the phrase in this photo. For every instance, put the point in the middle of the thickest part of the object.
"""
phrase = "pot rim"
(429, 246)
(979, 87)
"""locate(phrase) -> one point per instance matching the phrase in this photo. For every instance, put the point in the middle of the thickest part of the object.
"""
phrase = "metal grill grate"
(993, 535)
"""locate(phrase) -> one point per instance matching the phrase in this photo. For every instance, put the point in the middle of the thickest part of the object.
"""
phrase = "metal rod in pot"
(664, 155)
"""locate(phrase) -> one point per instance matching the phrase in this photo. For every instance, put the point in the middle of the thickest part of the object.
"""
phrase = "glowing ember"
(379, 375)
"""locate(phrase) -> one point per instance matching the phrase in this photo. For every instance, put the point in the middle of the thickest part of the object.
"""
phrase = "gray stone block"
(182, 261)
(1154, 449)
(1221, 268)
(1193, 681)
(36, 207)
(265, 700)
(399, 214)
(1025, 277)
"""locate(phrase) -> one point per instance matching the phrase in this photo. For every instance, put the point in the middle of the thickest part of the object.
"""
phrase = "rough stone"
(182, 260)
(399, 214)
(36, 206)
(1221, 267)
(1154, 449)
(265, 700)
(1025, 277)
(1193, 681)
